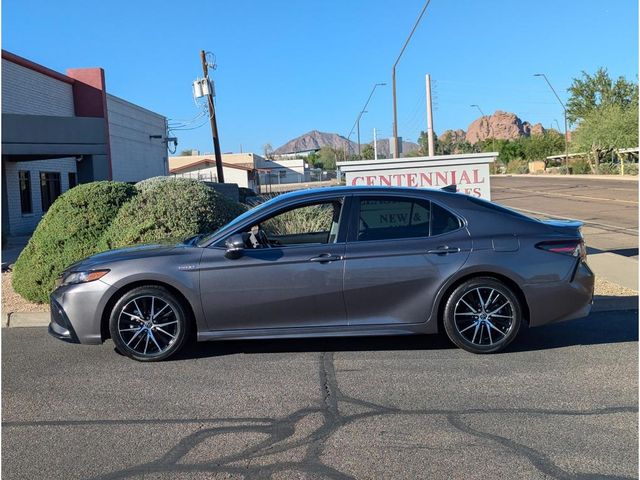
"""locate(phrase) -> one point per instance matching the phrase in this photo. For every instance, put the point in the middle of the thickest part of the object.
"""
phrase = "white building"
(246, 169)
(60, 130)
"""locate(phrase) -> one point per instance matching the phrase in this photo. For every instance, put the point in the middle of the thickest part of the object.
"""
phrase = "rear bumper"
(561, 301)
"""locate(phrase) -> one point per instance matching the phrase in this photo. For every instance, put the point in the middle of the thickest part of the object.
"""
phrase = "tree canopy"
(592, 92)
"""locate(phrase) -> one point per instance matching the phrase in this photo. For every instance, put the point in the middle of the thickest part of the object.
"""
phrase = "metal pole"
(375, 145)
(393, 77)
(363, 111)
(429, 116)
(212, 118)
(358, 122)
(566, 130)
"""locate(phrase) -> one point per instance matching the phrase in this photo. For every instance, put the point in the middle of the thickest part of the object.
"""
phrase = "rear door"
(400, 251)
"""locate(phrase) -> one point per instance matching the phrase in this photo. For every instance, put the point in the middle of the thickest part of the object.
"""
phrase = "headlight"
(70, 278)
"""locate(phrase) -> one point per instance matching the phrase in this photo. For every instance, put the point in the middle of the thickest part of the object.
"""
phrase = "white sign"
(469, 173)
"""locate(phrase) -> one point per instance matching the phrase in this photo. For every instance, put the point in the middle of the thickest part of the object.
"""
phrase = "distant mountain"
(315, 140)
(501, 125)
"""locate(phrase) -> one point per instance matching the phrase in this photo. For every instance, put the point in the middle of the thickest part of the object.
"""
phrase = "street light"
(493, 140)
(393, 78)
(363, 111)
(566, 130)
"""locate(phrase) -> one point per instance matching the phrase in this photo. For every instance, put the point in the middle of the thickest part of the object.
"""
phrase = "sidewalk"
(12, 249)
(576, 177)
(615, 268)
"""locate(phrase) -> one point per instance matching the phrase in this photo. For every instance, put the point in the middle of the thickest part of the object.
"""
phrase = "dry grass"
(606, 288)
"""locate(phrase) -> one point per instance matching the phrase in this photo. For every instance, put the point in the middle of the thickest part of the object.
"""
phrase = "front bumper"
(76, 311)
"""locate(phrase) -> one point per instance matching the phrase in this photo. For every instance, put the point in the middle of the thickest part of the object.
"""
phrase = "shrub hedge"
(70, 231)
(169, 209)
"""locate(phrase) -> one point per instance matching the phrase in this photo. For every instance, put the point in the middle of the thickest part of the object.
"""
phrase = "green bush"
(517, 165)
(580, 167)
(68, 232)
(169, 210)
(631, 169)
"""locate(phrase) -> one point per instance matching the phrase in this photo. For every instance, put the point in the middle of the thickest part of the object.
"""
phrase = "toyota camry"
(344, 261)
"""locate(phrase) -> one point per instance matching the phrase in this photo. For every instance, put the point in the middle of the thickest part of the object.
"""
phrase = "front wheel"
(148, 324)
(482, 315)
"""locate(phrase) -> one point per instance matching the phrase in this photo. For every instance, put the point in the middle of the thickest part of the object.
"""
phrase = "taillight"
(573, 247)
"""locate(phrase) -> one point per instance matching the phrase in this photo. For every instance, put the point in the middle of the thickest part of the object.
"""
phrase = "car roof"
(360, 189)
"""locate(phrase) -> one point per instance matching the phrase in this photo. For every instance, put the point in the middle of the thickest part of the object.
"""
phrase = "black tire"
(468, 320)
(139, 336)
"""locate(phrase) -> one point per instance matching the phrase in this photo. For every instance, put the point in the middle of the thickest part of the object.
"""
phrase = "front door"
(290, 274)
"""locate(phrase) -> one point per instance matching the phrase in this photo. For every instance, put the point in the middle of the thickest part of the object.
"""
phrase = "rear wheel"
(482, 315)
(148, 324)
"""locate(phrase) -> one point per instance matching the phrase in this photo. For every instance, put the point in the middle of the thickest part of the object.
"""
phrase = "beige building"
(246, 169)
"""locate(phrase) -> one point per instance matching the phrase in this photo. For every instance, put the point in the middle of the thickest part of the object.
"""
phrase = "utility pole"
(212, 119)
(429, 116)
(393, 81)
(358, 122)
(375, 145)
(566, 129)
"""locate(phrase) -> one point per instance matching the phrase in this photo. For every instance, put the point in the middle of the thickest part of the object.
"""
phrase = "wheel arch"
(501, 277)
(106, 312)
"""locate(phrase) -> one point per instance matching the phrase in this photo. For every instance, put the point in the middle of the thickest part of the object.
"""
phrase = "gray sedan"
(346, 261)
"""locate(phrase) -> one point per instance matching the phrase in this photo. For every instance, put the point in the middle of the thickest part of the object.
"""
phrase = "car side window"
(310, 224)
(385, 218)
(442, 220)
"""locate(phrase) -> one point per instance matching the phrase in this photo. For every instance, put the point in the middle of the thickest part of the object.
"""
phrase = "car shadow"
(598, 328)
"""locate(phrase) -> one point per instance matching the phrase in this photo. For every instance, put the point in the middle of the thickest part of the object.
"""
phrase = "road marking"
(550, 194)
(586, 222)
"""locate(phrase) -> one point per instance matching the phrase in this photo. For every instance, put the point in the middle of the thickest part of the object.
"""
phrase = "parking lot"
(560, 402)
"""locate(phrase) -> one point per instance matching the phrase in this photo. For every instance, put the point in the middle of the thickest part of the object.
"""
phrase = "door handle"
(443, 250)
(325, 258)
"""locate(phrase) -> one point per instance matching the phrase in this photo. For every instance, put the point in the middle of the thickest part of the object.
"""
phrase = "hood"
(129, 253)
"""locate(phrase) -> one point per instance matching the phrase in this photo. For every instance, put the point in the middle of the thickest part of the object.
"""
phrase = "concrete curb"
(25, 319)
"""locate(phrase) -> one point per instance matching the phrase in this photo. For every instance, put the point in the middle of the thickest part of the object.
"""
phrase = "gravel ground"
(12, 302)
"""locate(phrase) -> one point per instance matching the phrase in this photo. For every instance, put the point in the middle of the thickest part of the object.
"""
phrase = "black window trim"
(355, 214)
(48, 172)
(30, 212)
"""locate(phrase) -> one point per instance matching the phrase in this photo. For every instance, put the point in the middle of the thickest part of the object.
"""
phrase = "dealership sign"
(469, 173)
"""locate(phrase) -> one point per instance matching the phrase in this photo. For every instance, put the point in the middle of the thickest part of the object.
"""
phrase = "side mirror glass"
(235, 246)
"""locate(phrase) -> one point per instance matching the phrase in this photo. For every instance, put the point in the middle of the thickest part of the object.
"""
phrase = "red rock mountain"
(501, 125)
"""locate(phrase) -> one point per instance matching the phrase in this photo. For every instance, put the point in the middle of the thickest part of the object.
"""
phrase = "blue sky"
(287, 67)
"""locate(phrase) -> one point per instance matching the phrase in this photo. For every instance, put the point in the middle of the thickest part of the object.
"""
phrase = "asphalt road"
(562, 402)
(608, 207)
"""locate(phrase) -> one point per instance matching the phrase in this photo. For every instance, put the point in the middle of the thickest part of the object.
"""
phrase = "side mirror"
(235, 246)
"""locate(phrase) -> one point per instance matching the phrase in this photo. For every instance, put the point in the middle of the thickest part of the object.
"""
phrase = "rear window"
(442, 220)
(499, 208)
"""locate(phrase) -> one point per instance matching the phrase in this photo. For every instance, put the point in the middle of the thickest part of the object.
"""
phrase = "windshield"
(206, 237)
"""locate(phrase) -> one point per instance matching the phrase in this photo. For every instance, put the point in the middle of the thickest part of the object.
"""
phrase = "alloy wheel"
(148, 325)
(484, 316)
